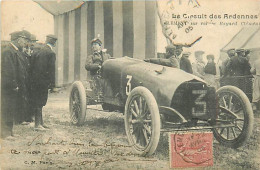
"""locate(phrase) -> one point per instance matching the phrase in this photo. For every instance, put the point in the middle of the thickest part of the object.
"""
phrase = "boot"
(44, 125)
(6, 129)
(38, 120)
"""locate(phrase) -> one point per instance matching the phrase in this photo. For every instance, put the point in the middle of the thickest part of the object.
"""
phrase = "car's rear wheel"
(142, 121)
(77, 103)
(235, 110)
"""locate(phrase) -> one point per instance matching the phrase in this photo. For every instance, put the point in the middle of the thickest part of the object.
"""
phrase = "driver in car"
(95, 61)
(171, 58)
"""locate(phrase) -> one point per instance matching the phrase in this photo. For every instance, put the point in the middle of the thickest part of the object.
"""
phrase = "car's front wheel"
(235, 116)
(77, 103)
(142, 121)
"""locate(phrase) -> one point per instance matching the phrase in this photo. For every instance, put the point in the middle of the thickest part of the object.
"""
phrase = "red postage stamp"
(191, 149)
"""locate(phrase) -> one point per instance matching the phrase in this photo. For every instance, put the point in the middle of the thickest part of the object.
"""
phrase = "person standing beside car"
(12, 80)
(185, 63)
(255, 70)
(171, 57)
(199, 65)
(28, 117)
(225, 68)
(210, 71)
(238, 63)
(42, 78)
(95, 61)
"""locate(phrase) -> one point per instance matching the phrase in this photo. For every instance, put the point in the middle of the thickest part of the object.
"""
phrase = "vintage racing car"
(157, 99)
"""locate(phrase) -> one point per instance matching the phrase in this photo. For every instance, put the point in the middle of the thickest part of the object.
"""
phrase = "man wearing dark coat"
(29, 52)
(247, 64)
(185, 63)
(225, 67)
(238, 63)
(171, 58)
(93, 65)
(95, 61)
(43, 78)
(23, 95)
(12, 80)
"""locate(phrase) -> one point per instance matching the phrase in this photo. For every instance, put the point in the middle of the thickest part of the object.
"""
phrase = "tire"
(78, 104)
(235, 110)
(142, 127)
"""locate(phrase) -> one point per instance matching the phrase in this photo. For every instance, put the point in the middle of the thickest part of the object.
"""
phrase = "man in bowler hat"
(43, 78)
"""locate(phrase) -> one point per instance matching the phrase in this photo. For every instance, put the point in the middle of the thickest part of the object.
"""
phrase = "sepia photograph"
(130, 84)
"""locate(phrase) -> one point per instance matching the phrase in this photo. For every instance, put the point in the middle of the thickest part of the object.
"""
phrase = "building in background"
(126, 28)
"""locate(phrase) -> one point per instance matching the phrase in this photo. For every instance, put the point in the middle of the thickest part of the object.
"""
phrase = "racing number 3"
(200, 105)
(128, 85)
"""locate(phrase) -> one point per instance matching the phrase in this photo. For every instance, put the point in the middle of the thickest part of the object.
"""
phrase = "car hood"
(162, 81)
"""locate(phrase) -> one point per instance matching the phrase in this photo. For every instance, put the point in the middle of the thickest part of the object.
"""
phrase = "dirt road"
(101, 143)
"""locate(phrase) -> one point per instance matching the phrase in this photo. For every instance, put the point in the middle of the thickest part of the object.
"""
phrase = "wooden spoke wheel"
(234, 110)
(142, 121)
(77, 103)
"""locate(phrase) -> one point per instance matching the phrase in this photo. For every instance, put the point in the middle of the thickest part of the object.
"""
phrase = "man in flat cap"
(185, 63)
(43, 78)
(199, 65)
(171, 58)
(12, 80)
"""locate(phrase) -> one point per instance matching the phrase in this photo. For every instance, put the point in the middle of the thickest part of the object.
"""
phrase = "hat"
(197, 53)
(23, 34)
(231, 49)
(210, 56)
(186, 54)
(14, 35)
(178, 46)
(247, 52)
(240, 50)
(51, 36)
(33, 38)
(96, 40)
(170, 47)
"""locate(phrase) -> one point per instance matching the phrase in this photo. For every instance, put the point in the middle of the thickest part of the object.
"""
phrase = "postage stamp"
(191, 149)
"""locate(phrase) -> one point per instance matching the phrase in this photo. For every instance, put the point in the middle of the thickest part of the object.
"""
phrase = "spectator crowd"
(235, 70)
